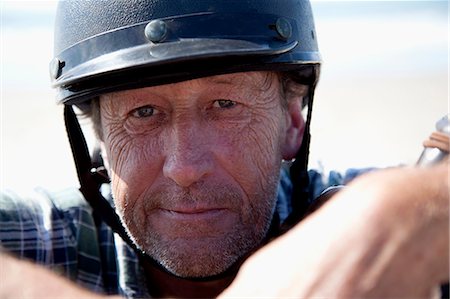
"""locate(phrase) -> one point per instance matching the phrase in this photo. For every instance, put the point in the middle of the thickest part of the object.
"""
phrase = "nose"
(188, 155)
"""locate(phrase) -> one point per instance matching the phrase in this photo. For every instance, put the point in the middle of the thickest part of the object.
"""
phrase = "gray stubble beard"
(223, 252)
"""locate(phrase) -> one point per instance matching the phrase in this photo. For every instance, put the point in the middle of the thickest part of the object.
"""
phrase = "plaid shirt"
(58, 231)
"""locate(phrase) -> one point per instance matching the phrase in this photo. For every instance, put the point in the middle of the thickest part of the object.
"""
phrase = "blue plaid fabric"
(57, 230)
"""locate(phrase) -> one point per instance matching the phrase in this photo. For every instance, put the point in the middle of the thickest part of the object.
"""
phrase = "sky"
(384, 83)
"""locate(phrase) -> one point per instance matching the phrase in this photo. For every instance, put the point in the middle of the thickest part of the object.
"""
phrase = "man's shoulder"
(58, 230)
(64, 200)
(40, 203)
(42, 220)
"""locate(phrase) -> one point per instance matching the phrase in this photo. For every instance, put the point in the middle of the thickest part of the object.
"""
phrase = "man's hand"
(21, 279)
(385, 235)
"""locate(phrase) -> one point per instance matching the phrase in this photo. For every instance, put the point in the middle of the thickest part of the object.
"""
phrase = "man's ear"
(294, 129)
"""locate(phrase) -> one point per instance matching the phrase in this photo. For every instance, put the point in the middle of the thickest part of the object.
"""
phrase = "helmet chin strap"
(90, 179)
(299, 171)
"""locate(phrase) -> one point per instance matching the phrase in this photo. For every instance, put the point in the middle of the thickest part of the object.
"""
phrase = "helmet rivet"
(55, 68)
(156, 31)
(283, 28)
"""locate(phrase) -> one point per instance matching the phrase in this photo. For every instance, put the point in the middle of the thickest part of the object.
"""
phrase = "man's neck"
(163, 284)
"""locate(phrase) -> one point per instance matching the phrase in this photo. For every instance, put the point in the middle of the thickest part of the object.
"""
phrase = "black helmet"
(103, 46)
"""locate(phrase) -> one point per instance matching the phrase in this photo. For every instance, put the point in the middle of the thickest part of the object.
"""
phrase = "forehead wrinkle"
(245, 78)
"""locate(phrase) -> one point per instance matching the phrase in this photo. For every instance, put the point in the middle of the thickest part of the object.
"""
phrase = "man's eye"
(145, 111)
(224, 103)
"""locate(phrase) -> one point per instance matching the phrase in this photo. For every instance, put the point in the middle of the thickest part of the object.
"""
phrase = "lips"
(192, 223)
(192, 213)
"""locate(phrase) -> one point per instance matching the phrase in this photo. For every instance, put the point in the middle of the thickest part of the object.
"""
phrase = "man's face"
(195, 166)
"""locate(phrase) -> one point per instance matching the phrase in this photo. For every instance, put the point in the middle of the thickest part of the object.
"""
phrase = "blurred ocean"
(383, 85)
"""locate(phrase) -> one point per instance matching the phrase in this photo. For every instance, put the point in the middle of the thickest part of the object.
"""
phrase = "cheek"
(134, 166)
(254, 152)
